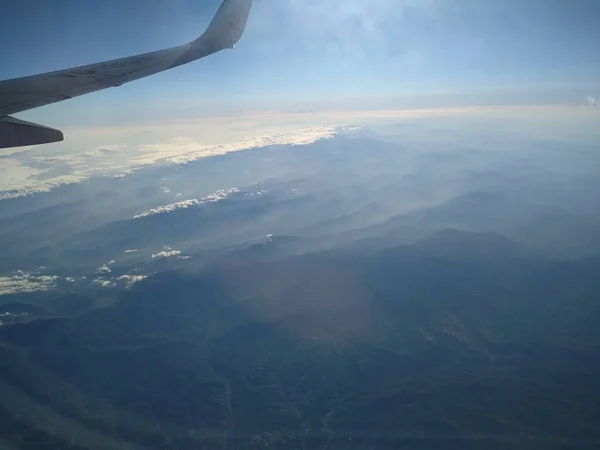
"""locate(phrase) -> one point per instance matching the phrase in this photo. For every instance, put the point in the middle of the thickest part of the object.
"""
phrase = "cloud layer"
(120, 151)
(26, 171)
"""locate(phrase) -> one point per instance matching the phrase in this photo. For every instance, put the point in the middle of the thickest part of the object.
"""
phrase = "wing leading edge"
(21, 94)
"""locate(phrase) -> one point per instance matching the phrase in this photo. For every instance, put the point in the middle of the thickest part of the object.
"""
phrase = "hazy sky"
(310, 53)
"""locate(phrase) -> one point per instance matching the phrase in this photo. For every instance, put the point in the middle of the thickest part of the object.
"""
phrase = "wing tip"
(229, 23)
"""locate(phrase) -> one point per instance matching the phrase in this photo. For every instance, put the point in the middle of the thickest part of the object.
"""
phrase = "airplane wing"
(21, 94)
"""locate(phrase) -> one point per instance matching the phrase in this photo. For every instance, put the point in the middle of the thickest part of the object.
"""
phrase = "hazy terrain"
(428, 282)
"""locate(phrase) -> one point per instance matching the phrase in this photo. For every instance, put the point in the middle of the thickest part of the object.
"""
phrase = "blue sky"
(314, 53)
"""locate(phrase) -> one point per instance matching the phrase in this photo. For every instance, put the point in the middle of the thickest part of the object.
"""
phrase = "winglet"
(228, 25)
(222, 33)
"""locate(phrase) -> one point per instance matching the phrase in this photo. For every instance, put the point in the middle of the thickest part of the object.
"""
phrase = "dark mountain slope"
(459, 341)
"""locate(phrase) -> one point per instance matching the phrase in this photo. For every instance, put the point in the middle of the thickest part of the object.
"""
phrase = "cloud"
(104, 269)
(212, 198)
(104, 282)
(28, 171)
(169, 208)
(133, 250)
(9, 189)
(99, 152)
(125, 173)
(74, 279)
(87, 154)
(221, 194)
(26, 282)
(167, 254)
(185, 151)
(130, 280)
(20, 281)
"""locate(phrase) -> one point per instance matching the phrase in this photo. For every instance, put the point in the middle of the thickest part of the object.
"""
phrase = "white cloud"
(74, 279)
(130, 280)
(133, 250)
(212, 198)
(20, 281)
(105, 268)
(167, 254)
(221, 194)
(13, 188)
(26, 282)
(86, 154)
(185, 151)
(169, 208)
(125, 173)
(104, 282)
(99, 152)
(26, 171)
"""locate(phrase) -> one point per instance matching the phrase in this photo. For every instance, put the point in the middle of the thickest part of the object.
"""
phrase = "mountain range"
(461, 340)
